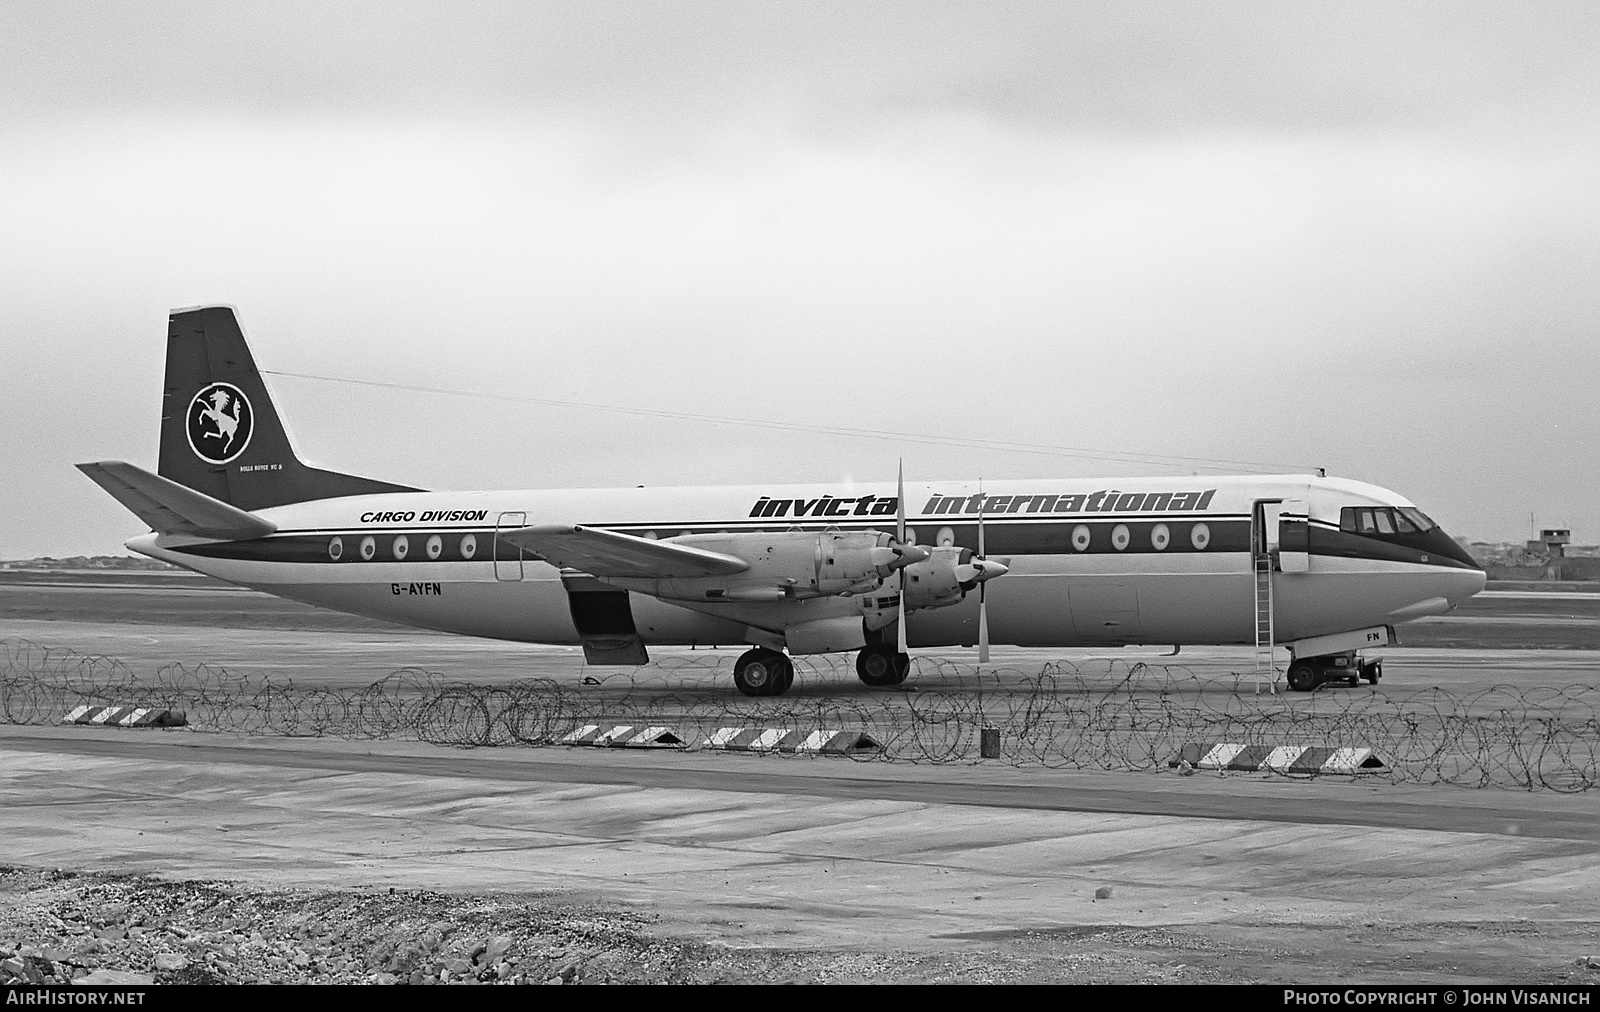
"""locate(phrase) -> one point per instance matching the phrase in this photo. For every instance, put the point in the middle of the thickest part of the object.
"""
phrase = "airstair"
(1265, 633)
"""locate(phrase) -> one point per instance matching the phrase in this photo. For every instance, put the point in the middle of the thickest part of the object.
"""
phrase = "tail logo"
(220, 423)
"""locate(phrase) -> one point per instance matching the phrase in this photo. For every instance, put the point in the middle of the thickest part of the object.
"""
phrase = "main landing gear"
(882, 666)
(763, 672)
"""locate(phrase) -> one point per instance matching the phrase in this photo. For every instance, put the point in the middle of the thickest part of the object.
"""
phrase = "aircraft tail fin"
(220, 433)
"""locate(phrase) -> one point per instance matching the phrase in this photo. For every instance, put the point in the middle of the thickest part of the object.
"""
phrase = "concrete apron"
(754, 867)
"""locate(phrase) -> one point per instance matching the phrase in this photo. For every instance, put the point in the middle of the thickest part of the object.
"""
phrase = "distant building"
(1552, 542)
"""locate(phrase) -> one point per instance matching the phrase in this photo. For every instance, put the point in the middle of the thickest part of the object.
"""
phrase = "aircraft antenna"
(1169, 461)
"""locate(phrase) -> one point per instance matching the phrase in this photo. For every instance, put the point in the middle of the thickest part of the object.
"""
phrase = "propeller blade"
(900, 505)
(983, 627)
(983, 597)
(900, 621)
(900, 535)
(982, 508)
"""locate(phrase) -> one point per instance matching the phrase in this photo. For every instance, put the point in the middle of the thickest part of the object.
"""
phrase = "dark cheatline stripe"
(1028, 537)
(1053, 537)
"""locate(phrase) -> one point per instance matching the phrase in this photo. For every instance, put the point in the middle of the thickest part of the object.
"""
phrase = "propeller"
(900, 536)
(977, 573)
(983, 603)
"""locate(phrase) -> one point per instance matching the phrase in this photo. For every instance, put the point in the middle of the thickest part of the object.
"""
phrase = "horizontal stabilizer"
(607, 553)
(171, 508)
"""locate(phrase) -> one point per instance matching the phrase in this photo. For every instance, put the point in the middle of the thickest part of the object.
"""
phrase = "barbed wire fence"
(1107, 716)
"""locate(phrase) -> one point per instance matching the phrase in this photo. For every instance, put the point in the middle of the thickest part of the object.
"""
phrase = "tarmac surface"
(1342, 878)
(798, 852)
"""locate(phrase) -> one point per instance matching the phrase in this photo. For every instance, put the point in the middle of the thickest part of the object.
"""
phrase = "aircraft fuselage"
(1095, 562)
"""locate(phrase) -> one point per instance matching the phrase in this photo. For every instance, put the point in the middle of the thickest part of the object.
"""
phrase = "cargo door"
(1105, 612)
(603, 617)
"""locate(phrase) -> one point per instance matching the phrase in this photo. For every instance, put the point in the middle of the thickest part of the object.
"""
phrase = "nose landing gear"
(1308, 673)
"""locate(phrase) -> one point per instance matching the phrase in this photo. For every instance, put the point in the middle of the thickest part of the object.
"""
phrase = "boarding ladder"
(1265, 633)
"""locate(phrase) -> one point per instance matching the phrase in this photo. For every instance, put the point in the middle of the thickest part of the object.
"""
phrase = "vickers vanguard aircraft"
(1324, 566)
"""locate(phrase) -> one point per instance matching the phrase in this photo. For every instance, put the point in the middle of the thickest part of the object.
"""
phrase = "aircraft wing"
(171, 508)
(607, 553)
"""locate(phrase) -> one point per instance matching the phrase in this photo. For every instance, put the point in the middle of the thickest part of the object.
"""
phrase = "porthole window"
(1200, 537)
(369, 548)
(1160, 537)
(435, 546)
(1080, 538)
(402, 547)
(911, 535)
(469, 546)
(336, 548)
(1120, 537)
(946, 537)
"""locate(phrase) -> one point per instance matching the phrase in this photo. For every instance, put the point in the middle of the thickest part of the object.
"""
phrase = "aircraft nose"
(1465, 583)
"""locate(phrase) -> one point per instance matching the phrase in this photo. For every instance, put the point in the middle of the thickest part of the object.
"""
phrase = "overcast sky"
(1358, 236)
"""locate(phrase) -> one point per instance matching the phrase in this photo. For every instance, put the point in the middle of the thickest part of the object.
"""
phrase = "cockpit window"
(1418, 517)
(1381, 520)
(1357, 521)
(1400, 533)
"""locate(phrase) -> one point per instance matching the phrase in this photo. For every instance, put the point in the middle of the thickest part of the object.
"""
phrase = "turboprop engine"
(941, 579)
(789, 566)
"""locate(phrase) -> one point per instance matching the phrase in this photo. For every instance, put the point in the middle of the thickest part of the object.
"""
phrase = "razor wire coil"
(1061, 715)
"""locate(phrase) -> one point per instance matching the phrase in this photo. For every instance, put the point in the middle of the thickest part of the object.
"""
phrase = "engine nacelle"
(937, 580)
(792, 565)
(940, 580)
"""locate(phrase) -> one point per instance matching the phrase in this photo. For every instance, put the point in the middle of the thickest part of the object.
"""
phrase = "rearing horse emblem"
(219, 423)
